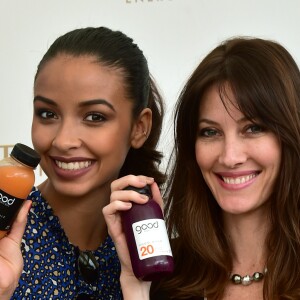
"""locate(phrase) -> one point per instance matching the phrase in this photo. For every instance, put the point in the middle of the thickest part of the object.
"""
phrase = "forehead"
(83, 74)
(215, 100)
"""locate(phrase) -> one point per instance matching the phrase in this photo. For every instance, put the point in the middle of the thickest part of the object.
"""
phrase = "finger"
(18, 227)
(114, 207)
(156, 194)
(128, 196)
(137, 181)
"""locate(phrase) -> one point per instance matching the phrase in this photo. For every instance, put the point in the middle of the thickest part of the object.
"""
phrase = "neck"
(80, 217)
(247, 235)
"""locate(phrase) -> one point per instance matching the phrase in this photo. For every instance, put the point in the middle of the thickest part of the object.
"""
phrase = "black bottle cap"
(25, 155)
(144, 190)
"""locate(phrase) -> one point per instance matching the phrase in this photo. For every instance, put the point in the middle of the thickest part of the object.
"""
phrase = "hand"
(120, 200)
(11, 260)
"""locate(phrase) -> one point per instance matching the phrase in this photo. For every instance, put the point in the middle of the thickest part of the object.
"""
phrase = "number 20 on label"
(147, 250)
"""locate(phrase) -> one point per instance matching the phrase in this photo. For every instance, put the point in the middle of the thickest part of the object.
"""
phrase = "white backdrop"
(174, 34)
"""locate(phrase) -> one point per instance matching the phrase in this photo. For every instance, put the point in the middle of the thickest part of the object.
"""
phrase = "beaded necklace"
(248, 279)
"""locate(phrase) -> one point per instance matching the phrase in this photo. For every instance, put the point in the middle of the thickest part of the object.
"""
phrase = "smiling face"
(239, 159)
(82, 124)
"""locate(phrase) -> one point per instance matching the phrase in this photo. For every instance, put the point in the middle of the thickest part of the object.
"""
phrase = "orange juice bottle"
(16, 181)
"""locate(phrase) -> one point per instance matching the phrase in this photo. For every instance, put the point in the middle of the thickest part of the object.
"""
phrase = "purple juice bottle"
(147, 238)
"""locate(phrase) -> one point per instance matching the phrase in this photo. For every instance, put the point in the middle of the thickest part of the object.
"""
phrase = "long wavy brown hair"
(265, 81)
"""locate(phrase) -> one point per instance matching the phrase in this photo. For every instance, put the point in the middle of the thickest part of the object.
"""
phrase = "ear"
(141, 128)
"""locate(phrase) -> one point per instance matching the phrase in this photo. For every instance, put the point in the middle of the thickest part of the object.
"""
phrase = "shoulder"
(40, 209)
(159, 294)
(36, 197)
(158, 290)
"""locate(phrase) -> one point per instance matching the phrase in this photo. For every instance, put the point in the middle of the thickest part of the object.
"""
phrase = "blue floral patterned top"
(50, 261)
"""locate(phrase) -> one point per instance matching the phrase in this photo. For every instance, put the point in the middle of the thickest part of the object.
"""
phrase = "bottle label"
(9, 207)
(151, 238)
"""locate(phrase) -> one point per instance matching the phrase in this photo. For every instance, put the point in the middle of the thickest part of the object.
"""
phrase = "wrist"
(134, 289)
(6, 295)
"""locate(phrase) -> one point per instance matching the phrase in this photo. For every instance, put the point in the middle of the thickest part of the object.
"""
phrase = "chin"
(72, 189)
(235, 209)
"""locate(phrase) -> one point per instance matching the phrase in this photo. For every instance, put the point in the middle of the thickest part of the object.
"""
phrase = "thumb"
(19, 224)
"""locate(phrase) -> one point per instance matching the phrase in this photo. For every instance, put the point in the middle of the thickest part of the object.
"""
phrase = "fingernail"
(144, 197)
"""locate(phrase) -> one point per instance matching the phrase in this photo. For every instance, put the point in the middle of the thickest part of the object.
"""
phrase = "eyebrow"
(207, 121)
(204, 120)
(81, 104)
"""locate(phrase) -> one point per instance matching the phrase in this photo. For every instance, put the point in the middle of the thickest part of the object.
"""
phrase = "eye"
(254, 129)
(46, 114)
(208, 132)
(94, 117)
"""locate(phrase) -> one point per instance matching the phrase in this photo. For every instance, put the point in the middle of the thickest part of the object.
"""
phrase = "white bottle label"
(151, 238)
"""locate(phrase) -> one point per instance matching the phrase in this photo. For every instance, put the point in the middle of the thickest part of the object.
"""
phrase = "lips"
(70, 166)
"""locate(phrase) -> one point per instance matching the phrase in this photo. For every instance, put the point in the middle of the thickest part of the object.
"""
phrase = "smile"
(78, 165)
(238, 180)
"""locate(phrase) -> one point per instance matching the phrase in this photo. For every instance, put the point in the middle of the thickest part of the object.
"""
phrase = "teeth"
(73, 165)
(238, 180)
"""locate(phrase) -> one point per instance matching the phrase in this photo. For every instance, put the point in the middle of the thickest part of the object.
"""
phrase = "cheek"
(268, 154)
(273, 161)
(40, 139)
(34, 135)
(110, 144)
(204, 156)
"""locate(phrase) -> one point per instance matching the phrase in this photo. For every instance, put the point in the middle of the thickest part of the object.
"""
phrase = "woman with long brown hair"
(233, 197)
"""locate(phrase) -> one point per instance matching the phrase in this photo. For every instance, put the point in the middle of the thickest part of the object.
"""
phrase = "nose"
(233, 152)
(67, 137)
